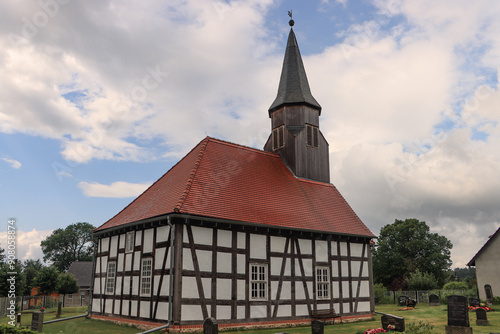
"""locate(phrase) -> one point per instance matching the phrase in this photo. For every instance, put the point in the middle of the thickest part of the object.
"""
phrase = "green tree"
(47, 280)
(455, 286)
(421, 281)
(31, 268)
(67, 284)
(408, 245)
(65, 246)
(12, 279)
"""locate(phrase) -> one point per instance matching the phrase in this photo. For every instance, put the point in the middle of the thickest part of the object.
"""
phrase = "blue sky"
(99, 99)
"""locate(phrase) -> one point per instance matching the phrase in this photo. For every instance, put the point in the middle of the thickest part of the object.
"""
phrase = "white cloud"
(114, 190)
(13, 163)
(27, 243)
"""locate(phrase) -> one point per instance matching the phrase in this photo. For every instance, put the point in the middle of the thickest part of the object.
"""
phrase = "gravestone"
(481, 318)
(434, 300)
(411, 302)
(474, 301)
(59, 310)
(317, 327)
(458, 315)
(397, 322)
(210, 326)
(37, 322)
(402, 300)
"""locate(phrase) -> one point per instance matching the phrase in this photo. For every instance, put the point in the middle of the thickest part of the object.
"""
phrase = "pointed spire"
(293, 87)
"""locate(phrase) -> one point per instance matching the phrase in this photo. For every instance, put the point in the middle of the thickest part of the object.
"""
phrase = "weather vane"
(291, 22)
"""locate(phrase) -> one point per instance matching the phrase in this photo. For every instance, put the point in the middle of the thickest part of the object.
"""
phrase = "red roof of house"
(226, 181)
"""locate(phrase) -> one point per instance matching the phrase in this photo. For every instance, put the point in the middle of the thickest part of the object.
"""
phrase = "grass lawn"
(436, 316)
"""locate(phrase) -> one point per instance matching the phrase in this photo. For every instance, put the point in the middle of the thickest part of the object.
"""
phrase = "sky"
(98, 99)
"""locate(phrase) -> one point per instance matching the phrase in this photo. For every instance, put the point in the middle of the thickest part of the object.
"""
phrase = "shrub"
(421, 281)
(496, 300)
(419, 328)
(8, 329)
(380, 290)
(455, 286)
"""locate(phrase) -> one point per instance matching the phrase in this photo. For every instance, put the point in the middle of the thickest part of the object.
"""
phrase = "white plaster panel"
(126, 285)
(285, 311)
(117, 307)
(207, 287)
(308, 263)
(98, 265)
(125, 307)
(144, 308)
(336, 307)
(301, 310)
(223, 262)
(128, 262)
(240, 289)
(286, 289)
(274, 290)
(241, 263)
(345, 268)
(187, 259)
(335, 287)
(201, 235)
(321, 251)
(118, 287)
(121, 244)
(96, 305)
(192, 312)
(120, 262)
(355, 265)
(114, 246)
(137, 260)
(334, 247)
(305, 246)
(165, 285)
(204, 260)
(135, 285)
(138, 238)
(104, 264)
(97, 286)
(258, 311)
(335, 269)
(223, 312)
(104, 245)
(147, 247)
(343, 248)
(257, 246)
(299, 291)
(223, 288)
(364, 307)
(162, 312)
(109, 306)
(241, 240)
(162, 233)
(240, 312)
(323, 306)
(364, 289)
(278, 244)
(189, 288)
(276, 263)
(159, 254)
(356, 249)
(347, 308)
(133, 312)
(365, 270)
(224, 238)
(345, 290)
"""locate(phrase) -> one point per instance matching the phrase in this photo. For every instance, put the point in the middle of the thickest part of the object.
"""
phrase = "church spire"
(293, 87)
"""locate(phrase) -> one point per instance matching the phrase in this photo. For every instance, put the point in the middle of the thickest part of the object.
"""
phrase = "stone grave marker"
(317, 327)
(397, 322)
(411, 302)
(434, 300)
(474, 301)
(402, 300)
(37, 322)
(481, 317)
(458, 315)
(210, 326)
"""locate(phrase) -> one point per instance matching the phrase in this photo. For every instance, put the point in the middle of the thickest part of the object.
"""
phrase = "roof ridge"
(192, 175)
(248, 148)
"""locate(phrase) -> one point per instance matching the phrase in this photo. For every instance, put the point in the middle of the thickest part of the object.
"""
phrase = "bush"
(419, 328)
(421, 281)
(8, 329)
(380, 291)
(455, 286)
(496, 300)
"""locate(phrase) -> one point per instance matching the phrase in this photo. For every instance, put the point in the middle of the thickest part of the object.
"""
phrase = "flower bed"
(473, 308)
(373, 331)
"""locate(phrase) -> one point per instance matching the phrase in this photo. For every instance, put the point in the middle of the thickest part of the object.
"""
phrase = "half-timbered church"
(243, 235)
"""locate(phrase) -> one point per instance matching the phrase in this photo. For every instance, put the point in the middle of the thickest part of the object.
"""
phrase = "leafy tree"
(67, 284)
(12, 283)
(31, 268)
(47, 280)
(422, 281)
(65, 246)
(408, 245)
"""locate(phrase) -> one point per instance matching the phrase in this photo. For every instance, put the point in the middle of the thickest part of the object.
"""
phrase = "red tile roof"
(227, 181)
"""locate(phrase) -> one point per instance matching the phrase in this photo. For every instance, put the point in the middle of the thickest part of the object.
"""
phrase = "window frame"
(312, 136)
(322, 282)
(258, 281)
(278, 137)
(145, 286)
(129, 242)
(111, 278)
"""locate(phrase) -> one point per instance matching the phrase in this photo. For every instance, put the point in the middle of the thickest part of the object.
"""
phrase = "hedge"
(8, 329)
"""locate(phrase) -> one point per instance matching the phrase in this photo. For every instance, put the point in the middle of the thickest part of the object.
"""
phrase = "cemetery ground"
(434, 315)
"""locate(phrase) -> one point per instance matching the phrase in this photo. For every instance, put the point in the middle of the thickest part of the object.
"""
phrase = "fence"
(391, 297)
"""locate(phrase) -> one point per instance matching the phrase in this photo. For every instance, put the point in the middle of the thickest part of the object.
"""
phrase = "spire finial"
(291, 22)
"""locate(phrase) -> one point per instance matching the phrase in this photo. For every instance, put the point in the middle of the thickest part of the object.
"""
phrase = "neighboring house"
(82, 270)
(487, 263)
(247, 236)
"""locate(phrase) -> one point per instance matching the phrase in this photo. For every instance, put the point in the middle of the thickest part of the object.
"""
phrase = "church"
(249, 237)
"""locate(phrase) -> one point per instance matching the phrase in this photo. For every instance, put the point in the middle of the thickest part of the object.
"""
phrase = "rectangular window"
(110, 278)
(258, 281)
(312, 139)
(146, 272)
(70, 296)
(278, 137)
(322, 283)
(129, 242)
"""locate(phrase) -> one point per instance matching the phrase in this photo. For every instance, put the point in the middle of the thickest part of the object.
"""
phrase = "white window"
(70, 296)
(258, 281)
(110, 278)
(312, 135)
(278, 137)
(129, 242)
(146, 272)
(322, 282)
